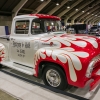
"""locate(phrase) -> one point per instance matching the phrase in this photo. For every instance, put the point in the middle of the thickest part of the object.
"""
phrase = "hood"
(75, 41)
(93, 30)
(72, 42)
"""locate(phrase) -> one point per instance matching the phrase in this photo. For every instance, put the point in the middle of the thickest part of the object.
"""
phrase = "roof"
(41, 16)
(44, 16)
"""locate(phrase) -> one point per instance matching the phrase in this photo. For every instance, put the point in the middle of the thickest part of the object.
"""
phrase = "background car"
(94, 30)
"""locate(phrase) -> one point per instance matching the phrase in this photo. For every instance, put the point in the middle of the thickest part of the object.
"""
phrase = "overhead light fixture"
(68, 7)
(83, 11)
(76, 9)
(57, 3)
(41, 0)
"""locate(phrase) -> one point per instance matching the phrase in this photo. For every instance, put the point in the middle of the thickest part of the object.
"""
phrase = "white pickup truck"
(37, 46)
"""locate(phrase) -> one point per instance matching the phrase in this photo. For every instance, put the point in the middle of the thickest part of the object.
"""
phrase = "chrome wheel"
(53, 78)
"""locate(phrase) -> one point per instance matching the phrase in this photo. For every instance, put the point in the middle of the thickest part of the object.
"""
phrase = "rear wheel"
(54, 76)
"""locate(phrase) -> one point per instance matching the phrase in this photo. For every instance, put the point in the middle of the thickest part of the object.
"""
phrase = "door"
(21, 47)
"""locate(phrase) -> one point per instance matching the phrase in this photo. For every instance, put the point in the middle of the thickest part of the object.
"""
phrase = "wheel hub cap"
(53, 78)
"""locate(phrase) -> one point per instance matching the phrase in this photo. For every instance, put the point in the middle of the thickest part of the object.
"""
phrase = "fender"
(69, 61)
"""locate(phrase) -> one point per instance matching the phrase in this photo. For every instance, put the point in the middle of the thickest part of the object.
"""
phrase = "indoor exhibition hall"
(50, 50)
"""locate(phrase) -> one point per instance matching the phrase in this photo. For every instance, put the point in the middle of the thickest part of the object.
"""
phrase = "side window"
(37, 26)
(22, 27)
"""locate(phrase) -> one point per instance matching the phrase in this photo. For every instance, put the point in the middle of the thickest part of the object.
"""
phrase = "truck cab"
(25, 34)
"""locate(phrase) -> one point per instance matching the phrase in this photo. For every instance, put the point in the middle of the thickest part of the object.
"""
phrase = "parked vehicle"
(37, 46)
(94, 30)
(71, 30)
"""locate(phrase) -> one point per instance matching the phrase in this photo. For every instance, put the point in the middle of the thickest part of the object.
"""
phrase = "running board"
(11, 65)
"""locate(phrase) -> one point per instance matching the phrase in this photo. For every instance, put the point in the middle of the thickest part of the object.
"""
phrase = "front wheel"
(55, 77)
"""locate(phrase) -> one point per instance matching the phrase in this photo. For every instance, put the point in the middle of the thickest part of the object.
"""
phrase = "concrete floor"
(25, 91)
(5, 96)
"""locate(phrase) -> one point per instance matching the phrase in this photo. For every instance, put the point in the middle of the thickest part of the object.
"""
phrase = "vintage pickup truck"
(37, 46)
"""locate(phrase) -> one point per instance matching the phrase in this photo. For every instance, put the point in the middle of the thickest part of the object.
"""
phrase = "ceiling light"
(68, 7)
(52, 23)
(83, 11)
(41, 0)
(57, 3)
(88, 13)
(76, 9)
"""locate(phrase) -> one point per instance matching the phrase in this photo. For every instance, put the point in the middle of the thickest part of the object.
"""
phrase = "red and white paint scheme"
(38, 46)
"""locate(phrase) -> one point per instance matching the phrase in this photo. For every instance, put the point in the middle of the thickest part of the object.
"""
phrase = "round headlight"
(91, 66)
(90, 69)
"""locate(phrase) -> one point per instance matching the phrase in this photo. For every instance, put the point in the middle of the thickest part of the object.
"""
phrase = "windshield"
(40, 26)
(52, 26)
(93, 27)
